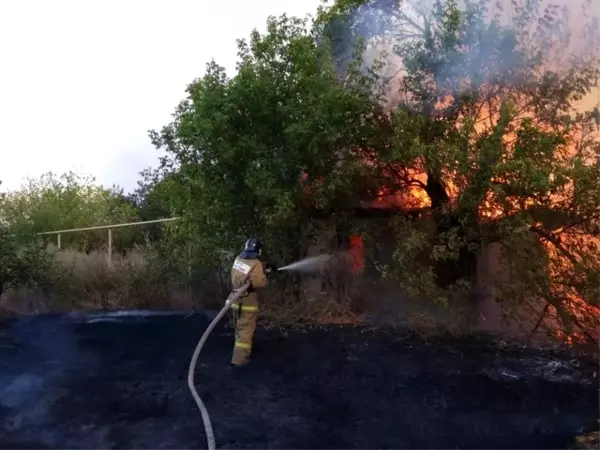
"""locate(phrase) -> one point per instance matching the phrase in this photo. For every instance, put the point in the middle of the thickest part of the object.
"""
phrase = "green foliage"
(143, 197)
(262, 152)
(21, 261)
(152, 200)
(489, 112)
(25, 263)
(57, 203)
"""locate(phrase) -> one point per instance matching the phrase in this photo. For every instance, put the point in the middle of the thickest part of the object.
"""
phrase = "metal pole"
(117, 225)
(58, 241)
(109, 256)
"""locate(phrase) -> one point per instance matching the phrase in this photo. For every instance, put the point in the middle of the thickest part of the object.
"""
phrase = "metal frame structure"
(59, 233)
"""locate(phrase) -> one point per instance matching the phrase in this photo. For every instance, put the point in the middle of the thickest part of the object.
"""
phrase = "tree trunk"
(449, 272)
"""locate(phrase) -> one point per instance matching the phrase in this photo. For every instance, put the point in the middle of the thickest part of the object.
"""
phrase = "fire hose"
(233, 298)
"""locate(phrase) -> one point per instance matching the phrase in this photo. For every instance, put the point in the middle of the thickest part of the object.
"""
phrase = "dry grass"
(92, 284)
(588, 440)
(141, 280)
(86, 282)
(335, 297)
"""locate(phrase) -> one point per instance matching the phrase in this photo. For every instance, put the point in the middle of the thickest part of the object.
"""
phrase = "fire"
(412, 197)
(417, 195)
(564, 274)
(494, 207)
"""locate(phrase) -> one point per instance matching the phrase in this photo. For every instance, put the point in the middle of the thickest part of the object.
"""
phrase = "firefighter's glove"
(270, 268)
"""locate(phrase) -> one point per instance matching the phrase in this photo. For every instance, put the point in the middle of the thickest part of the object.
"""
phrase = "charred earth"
(119, 381)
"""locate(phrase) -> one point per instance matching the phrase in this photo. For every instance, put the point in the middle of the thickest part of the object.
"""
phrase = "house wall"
(504, 316)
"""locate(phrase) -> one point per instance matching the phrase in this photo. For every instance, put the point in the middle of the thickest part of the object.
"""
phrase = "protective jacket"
(246, 311)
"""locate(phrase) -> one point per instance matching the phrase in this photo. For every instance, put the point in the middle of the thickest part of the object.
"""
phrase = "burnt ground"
(120, 382)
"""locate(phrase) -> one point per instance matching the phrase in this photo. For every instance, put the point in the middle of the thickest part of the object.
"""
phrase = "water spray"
(308, 265)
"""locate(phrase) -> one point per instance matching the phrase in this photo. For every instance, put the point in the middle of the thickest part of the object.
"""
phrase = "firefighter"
(246, 267)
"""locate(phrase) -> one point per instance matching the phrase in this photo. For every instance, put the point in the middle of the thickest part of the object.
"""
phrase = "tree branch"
(554, 241)
(538, 323)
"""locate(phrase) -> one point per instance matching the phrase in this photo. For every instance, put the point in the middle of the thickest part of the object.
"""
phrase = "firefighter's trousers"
(245, 313)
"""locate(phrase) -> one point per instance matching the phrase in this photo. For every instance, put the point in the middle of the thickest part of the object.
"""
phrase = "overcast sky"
(82, 81)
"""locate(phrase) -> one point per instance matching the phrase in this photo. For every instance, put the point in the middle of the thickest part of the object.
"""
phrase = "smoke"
(29, 393)
(559, 34)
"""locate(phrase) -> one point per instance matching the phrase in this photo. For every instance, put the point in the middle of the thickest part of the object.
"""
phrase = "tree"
(262, 152)
(24, 262)
(490, 112)
(151, 201)
(148, 197)
(56, 203)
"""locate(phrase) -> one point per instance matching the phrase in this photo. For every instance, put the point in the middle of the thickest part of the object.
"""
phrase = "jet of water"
(308, 265)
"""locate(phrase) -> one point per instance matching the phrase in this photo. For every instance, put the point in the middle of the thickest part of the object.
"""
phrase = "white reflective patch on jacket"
(242, 267)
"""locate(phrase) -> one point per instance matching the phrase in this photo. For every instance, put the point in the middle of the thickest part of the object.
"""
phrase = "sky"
(82, 82)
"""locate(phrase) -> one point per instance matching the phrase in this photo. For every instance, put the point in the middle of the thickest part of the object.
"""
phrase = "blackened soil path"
(120, 382)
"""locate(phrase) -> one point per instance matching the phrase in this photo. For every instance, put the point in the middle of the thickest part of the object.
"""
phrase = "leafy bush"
(25, 264)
